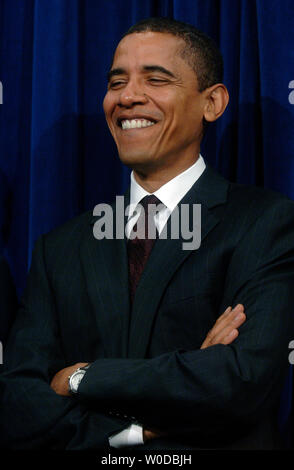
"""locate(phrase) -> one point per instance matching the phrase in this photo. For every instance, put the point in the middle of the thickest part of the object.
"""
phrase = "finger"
(226, 319)
(226, 332)
(230, 337)
(224, 315)
(217, 327)
(239, 308)
(228, 314)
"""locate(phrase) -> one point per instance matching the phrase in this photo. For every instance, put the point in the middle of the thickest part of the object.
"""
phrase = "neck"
(152, 181)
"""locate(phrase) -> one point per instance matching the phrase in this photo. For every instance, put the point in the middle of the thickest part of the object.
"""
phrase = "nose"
(131, 95)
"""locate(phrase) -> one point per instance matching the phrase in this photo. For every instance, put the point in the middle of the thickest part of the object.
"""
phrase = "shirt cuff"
(131, 436)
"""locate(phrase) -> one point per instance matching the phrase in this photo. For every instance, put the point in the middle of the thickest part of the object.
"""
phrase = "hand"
(148, 434)
(225, 330)
(59, 383)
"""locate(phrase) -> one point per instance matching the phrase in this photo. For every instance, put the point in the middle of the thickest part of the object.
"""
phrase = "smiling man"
(134, 342)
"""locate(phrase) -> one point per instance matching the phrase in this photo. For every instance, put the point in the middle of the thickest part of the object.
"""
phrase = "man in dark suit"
(163, 367)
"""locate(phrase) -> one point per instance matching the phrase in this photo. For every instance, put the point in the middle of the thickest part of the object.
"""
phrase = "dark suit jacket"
(147, 364)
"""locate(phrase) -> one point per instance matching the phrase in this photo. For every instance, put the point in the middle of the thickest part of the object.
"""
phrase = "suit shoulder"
(75, 224)
(215, 189)
(67, 234)
(257, 198)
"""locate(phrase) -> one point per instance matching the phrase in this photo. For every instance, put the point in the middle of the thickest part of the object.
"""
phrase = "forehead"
(139, 49)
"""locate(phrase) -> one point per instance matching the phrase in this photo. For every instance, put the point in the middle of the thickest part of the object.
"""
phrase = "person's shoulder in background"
(8, 300)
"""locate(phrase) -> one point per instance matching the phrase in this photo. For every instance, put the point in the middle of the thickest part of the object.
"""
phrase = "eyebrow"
(158, 68)
(146, 68)
(114, 72)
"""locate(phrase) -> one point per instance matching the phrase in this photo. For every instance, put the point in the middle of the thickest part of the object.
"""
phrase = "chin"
(135, 160)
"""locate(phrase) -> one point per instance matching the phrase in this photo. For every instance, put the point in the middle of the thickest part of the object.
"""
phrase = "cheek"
(176, 107)
(193, 114)
(175, 115)
(108, 105)
(105, 102)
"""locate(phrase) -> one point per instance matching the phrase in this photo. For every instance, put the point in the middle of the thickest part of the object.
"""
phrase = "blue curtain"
(57, 158)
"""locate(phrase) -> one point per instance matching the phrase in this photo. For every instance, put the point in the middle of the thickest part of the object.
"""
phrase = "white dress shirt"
(170, 195)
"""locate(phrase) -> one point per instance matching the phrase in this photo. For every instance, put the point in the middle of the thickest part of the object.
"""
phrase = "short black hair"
(201, 52)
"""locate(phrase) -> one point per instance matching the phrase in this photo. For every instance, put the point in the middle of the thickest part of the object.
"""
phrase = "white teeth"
(135, 123)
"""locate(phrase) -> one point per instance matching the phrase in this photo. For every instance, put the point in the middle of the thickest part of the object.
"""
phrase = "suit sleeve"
(32, 414)
(202, 392)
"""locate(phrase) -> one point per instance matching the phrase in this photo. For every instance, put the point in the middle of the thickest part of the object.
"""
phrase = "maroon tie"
(139, 249)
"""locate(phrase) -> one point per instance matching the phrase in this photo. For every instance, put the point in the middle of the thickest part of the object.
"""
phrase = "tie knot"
(147, 200)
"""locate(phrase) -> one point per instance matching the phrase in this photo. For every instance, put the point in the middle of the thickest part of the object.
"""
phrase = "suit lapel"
(105, 267)
(167, 255)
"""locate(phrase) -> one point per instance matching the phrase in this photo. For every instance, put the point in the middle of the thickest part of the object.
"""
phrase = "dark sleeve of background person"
(8, 300)
(8, 294)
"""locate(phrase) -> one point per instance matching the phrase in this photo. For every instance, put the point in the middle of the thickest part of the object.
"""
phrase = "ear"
(217, 98)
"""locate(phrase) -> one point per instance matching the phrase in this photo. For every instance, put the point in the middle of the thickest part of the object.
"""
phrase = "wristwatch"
(75, 379)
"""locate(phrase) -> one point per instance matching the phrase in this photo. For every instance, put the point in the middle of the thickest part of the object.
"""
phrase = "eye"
(157, 81)
(116, 84)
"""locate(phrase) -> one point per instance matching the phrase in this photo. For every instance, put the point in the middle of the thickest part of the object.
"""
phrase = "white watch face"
(76, 379)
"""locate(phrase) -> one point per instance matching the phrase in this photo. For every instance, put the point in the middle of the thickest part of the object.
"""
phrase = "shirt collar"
(171, 192)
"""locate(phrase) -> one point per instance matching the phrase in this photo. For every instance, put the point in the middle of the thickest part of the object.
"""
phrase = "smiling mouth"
(126, 124)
